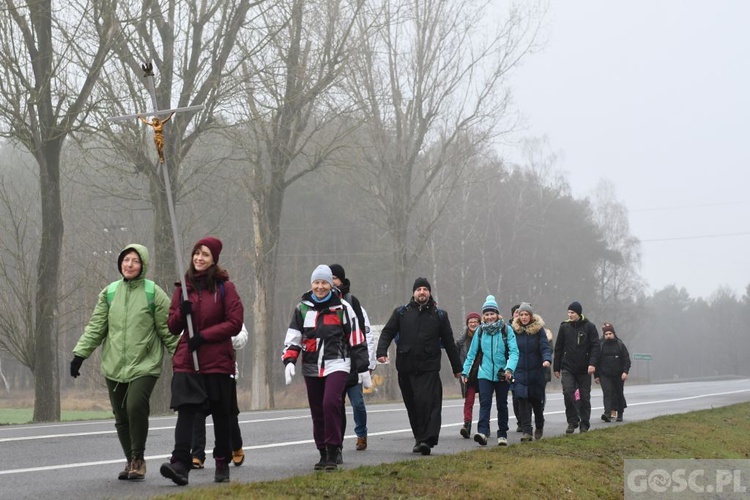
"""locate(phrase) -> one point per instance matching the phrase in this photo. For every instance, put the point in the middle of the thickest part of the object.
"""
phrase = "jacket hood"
(536, 326)
(142, 253)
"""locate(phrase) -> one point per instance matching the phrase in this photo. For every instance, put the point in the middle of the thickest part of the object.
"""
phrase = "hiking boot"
(221, 475)
(502, 441)
(137, 469)
(583, 429)
(571, 428)
(238, 457)
(339, 455)
(606, 417)
(527, 438)
(332, 453)
(322, 462)
(423, 448)
(538, 433)
(480, 438)
(176, 471)
(518, 429)
(197, 463)
(619, 417)
(417, 447)
(362, 443)
(466, 430)
(123, 476)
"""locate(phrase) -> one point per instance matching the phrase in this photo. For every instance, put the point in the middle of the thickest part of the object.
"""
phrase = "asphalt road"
(82, 459)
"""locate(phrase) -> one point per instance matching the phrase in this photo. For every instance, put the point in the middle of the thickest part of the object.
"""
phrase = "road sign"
(644, 357)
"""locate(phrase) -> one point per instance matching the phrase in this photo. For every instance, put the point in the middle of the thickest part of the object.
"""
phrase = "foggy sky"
(653, 96)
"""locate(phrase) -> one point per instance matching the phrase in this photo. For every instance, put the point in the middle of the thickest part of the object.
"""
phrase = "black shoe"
(331, 457)
(606, 417)
(466, 430)
(584, 429)
(538, 433)
(423, 448)
(571, 428)
(416, 447)
(619, 416)
(340, 456)
(518, 429)
(222, 471)
(322, 462)
(176, 471)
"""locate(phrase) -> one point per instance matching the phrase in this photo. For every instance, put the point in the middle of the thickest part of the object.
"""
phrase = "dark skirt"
(202, 391)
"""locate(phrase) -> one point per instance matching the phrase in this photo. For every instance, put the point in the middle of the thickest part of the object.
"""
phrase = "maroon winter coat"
(218, 317)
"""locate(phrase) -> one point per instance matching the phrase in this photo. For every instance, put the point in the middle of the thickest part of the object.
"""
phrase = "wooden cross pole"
(157, 124)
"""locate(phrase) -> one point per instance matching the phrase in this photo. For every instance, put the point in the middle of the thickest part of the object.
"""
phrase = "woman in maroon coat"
(217, 314)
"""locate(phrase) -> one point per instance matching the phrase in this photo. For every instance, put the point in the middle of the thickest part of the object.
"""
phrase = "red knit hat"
(474, 315)
(213, 244)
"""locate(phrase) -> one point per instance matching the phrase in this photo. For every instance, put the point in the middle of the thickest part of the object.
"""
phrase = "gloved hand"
(186, 307)
(365, 379)
(288, 373)
(75, 366)
(196, 340)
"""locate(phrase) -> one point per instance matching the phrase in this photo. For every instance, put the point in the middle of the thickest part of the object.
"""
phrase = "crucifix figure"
(158, 125)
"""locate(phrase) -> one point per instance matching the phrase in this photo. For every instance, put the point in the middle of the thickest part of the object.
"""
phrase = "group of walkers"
(329, 336)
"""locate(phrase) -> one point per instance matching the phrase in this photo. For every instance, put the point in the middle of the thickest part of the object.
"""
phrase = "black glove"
(186, 307)
(196, 341)
(75, 366)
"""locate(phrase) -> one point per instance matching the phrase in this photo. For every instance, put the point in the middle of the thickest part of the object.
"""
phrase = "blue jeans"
(357, 400)
(487, 389)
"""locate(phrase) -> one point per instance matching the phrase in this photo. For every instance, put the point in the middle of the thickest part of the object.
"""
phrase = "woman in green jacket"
(131, 315)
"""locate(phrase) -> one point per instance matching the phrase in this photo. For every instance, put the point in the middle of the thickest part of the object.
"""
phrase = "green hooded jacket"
(132, 337)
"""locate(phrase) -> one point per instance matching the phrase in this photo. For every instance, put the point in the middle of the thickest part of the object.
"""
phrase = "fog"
(652, 96)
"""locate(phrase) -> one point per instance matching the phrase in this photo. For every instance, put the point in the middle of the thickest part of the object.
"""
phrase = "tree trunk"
(46, 374)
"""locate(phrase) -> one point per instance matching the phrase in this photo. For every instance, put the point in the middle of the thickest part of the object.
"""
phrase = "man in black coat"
(421, 328)
(576, 355)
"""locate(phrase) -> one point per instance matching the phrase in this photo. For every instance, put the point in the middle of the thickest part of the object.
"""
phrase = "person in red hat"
(470, 388)
(216, 312)
(612, 372)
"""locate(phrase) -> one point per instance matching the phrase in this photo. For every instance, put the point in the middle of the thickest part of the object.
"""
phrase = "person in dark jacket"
(469, 388)
(216, 312)
(534, 357)
(576, 356)
(325, 337)
(421, 328)
(612, 372)
(356, 380)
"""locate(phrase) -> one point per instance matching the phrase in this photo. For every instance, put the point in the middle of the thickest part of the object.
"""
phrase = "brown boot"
(362, 443)
(123, 476)
(137, 469)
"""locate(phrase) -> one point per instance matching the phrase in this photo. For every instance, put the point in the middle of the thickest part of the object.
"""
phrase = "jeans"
(487, 389)
(357, 400)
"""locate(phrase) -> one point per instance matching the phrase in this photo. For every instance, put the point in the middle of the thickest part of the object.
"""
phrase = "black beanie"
(421, 282)
(338, 271)
(575, 306)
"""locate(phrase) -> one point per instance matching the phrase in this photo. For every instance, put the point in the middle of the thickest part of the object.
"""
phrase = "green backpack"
(150, 288)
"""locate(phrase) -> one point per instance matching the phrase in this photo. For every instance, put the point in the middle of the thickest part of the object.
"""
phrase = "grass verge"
(24, 415)
(578, 466)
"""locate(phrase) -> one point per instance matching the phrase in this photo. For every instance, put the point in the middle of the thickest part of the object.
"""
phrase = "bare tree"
(430, 91)
(45, 84)
(293, 126)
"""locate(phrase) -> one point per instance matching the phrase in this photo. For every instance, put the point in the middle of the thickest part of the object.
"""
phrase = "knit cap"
(525, 306)
(322, 272)
(575, 306)
(213, 244)
(490, 304)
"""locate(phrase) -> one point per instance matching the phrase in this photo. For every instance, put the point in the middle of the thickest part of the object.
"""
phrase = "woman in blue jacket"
(495, 349)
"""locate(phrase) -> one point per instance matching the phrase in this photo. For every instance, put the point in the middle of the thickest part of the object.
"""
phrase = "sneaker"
(606, 417)
(197, 463)
(362, 443)
(322, 463)
(466, 430)
(238, 457)
(538, 433)
(480, 438)
(221, 475)
(123, 476)
(176, 471)
(502, 441)
(526, 438)
(137, 469)
(424, 448)
(571, 428)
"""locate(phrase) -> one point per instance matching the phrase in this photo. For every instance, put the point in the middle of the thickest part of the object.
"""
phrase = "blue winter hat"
(322, 272)
(490, 304)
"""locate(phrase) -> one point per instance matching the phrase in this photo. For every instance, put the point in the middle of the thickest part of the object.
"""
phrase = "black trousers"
(423, 398)
(580, 411)
(613, 391)
(525, 408)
